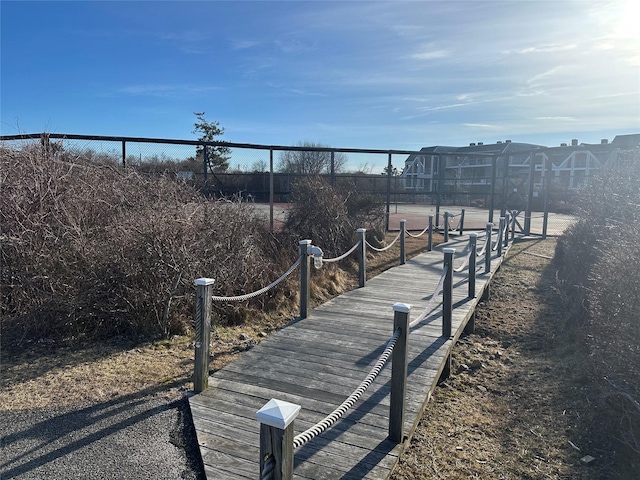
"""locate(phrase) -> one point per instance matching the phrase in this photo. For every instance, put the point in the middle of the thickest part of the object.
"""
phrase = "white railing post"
(447, 292)
(399, 362)
(305, 278)
(473, 244)
(487, 250)
(204, 287)
(403, 233)
(362, 257)
(430, 234)
(276, 437)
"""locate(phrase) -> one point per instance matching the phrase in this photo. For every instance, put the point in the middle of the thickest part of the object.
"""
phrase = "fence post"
(487, 250)
(204, 287)
(403, 233)
(473, 244)
(362, 257)
(124, 153)
(305, 278)
(276, 437)
(447, 292)
(430, 234)
(446, 227)
(461, 230)
(514, 214)
(500, 231)
(399, 362)
(507, 222)
(205, 161)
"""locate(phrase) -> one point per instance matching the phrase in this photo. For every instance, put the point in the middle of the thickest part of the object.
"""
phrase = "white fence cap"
(278, 413)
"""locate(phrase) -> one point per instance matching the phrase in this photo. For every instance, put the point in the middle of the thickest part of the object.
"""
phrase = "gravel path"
(142, 436)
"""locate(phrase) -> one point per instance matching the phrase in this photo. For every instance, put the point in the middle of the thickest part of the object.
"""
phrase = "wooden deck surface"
(317, 362)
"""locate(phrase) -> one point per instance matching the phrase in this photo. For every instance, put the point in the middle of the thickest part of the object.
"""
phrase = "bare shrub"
(330, 217)
(599, 267)
(92, 250)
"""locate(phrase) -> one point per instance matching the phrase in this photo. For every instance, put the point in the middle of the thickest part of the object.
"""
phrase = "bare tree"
(311, 161)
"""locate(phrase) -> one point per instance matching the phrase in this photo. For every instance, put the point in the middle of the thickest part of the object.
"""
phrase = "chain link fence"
(530, 183)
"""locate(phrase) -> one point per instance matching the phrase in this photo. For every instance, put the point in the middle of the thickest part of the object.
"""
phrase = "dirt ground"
(517, 404)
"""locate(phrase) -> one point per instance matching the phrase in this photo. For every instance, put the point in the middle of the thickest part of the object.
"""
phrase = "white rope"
(431, 304)
(262, 290)
(385, 248)
(334, 416)
(419, 234)
(337, 259)
(464, 264)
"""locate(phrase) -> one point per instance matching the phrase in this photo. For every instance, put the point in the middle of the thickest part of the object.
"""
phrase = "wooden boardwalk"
(317, 362)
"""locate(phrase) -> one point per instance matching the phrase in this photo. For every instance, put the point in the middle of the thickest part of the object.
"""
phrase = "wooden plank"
(318, 361)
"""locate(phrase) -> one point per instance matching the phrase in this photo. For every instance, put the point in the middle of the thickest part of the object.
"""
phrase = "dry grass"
(528, 411)
(51, 374)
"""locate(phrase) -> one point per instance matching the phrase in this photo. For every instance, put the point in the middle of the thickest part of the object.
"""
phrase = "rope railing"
(465, 263)
(384, 248)
(239, 298)
(344, 255)
(277, 446)
(312, 432)
(269, 468)
(431, 304)
(418, 235)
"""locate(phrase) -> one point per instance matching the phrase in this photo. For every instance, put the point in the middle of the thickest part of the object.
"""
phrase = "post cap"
(278, 413)
(401, 307)
(473, 235)
(361, 230)
(305, 242)
(203, 282)
(489, 224)
(448, 250)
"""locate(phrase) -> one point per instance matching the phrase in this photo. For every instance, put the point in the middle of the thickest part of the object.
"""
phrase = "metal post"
(276, 438)
(204, 287)
(124, 153)
(507, 222)
(446, 227)
(487, 250)
(362, 257)
(389, 168)
(333, 168)
(514, 214)
(461, 229)
(305, 278)
(430, 234)
(403, 233)
(505, 181)
(494, 168)
(271, 189)
(527, 215)
(205, 161)
(399, 362)
(473, 244)
(447, 292)
(547, 184)
(500, 232)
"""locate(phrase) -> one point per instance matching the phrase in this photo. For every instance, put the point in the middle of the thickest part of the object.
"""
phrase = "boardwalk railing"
(277, 442)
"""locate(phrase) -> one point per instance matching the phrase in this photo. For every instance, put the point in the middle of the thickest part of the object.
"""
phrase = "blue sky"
(355, 74)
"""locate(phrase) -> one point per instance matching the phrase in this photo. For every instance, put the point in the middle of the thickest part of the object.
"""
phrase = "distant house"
(469, 168)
